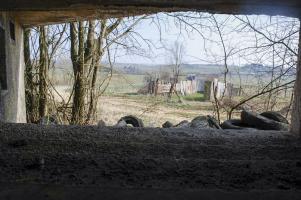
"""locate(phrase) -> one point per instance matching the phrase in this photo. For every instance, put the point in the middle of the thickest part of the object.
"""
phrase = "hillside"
(202, 69)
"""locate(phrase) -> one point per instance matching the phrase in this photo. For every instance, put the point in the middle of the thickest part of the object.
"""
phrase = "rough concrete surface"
(13, 98)
(43, 162)
(35, 12)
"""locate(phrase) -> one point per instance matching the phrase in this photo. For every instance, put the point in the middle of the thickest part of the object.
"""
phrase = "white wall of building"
(12, 99)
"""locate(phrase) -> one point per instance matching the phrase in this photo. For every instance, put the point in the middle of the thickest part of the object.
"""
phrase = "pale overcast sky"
(236, 38)
(211, 52)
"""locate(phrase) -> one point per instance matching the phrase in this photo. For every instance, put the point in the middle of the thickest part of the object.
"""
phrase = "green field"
(125, 83)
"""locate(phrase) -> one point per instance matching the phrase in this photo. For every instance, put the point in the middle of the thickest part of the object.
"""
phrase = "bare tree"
(176, 54)
(89, 42)
(267, 41)
(40, 47)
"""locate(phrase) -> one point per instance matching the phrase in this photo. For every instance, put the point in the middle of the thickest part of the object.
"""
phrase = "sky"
(201, 41)
(165, 30)
(166, 35)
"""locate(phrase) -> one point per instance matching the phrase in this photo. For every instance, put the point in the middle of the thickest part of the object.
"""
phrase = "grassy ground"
(121, 98)
(195, 97)
(154, 111)
(125, 83)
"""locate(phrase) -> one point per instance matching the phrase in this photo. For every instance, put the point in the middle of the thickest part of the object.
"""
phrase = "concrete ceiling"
(35, 12)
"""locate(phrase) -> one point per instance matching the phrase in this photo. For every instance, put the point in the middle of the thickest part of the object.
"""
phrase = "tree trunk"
(43, 72)
(29, 84)
(74, 47)
(93, 96)
(79, 79)
(296, 113)
(96, 57)
(171, 89)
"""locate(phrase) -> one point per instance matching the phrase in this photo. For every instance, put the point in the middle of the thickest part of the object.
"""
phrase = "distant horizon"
(197, 50)
(68, 62)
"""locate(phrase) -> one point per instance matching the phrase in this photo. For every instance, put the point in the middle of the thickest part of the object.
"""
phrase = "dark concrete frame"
(90, 162)
(35, 12)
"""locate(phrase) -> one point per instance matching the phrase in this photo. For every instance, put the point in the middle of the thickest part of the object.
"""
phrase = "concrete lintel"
(37, 12)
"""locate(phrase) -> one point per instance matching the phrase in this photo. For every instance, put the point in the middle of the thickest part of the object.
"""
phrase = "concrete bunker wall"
(32, 13)
(12, 97)
(70, 162)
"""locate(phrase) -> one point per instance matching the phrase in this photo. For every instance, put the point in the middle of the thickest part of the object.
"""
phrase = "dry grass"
(120, 99)
(153, 111)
